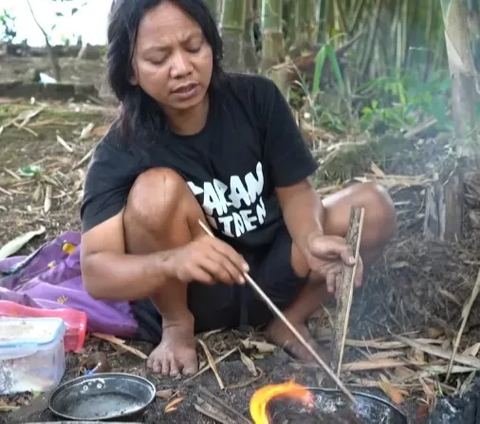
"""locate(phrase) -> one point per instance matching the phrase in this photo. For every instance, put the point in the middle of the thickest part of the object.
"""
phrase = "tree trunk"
(232, 27)
(445, 201)
(272, 33)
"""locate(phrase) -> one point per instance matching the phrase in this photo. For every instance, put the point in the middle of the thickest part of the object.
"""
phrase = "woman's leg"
(378, 229)
(162, 213)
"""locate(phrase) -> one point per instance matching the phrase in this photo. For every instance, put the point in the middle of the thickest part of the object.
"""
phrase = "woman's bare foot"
(279, 334)
(176, 352)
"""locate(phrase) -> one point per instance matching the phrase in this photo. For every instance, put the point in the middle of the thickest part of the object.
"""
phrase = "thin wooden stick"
(344, 301)
(290, 326)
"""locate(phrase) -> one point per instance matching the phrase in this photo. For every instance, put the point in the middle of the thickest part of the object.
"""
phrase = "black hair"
(140, 116)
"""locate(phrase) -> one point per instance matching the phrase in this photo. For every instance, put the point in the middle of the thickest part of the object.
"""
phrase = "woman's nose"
(181, 65)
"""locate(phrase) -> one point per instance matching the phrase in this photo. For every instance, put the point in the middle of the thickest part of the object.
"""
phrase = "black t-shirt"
(249, 145)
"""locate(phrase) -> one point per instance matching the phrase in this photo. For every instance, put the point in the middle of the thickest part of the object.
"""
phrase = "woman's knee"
(379, 221)
(156, 198)
(380, 213)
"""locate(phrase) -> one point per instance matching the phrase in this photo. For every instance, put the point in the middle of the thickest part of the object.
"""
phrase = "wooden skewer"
(295, 332)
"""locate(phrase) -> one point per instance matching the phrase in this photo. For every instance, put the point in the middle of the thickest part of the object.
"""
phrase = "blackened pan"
(102, 397)
(368, 408)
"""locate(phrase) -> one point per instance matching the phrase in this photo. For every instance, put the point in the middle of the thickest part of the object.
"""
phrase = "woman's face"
(172, 61)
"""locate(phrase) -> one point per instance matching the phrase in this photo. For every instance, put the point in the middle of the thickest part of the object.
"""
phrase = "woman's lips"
(186, 91)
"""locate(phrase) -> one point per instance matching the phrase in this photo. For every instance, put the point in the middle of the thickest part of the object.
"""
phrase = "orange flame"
(260, 399)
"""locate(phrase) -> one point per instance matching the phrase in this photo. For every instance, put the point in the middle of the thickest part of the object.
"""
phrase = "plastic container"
(75, 321)
(32, 354)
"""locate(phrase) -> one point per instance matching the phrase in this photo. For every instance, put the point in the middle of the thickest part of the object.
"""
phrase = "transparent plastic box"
(32, 356)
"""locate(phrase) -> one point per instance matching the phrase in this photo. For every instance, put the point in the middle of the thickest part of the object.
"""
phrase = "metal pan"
(370, 408)
(102, 397)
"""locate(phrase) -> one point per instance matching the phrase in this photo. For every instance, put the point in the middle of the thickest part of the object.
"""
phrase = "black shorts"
(223, 306)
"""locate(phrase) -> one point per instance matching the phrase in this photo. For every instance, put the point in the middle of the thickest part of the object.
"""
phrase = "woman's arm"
(302, 211)
(109, 273)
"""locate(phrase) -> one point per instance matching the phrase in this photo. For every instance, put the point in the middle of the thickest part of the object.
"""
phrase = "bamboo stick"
(290, 326)
(344, 302)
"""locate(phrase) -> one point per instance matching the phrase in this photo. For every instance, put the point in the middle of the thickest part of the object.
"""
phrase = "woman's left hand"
(327, 255)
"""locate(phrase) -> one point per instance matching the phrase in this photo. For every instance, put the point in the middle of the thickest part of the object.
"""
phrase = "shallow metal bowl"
(103, 396)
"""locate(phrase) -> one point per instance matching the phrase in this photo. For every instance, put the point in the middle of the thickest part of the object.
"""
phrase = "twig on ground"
(212, 363)
(208, 366)
(345, 297)
(465, 314)
(118, 342)
(295, 332)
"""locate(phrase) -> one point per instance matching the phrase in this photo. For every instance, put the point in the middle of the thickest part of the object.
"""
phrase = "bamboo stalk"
(272, 33)
(232, 19)
(345, 297)
(290, 326)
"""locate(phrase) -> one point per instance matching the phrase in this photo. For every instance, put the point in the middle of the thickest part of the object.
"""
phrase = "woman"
(193, 143)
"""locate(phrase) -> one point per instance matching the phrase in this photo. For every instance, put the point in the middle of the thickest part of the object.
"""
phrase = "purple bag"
(50, 278)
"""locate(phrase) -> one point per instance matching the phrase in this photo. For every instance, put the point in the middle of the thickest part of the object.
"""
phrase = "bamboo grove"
(381, 37)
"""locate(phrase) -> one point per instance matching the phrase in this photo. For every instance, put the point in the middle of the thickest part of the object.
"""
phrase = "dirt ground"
(417, 288)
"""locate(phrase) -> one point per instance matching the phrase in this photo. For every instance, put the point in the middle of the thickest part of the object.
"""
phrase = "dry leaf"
(441, 352)
(100, 131)
(373, 365)
(404, 373)
(212, 363)
(472, 350)
(172, 405)
(249, 364)
(48, 199)
(418, 355)
(86, 131)
(17, 243)
(386, 354)
(64, 144)
(393, 393)
(164, 394)
(450, 296)
(262, 347)
(376, 170)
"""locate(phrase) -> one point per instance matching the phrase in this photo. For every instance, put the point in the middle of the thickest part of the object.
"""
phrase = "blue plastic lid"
(29, 332)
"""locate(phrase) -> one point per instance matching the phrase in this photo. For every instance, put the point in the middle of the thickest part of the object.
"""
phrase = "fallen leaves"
(249, 364)
(172, 406)
(17, 243)
(262, 347)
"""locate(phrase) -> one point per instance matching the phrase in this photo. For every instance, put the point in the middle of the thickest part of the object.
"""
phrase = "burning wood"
(261, 398)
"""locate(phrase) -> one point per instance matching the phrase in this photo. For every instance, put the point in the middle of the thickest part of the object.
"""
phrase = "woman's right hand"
(208, 260)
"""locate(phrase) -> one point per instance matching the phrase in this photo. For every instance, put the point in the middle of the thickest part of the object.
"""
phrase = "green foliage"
(327, 51)
(384, 105)
(7, 28)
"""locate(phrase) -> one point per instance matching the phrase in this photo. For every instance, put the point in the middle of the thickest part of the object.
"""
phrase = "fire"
(260, 399)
